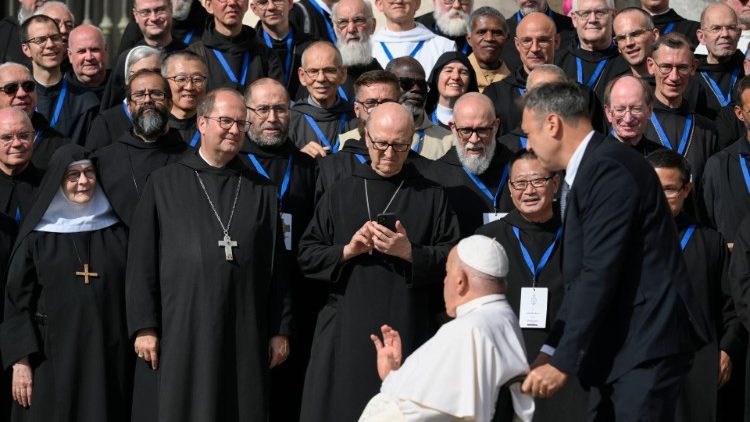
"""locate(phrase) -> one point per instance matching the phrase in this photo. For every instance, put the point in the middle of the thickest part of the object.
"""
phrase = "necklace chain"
(213, 208)
(367, 199)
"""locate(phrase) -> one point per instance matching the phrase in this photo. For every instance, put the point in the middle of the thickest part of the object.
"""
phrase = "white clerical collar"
(477, 303)
(444, 114)
(669, 9)
(575, 160)
(324, 6)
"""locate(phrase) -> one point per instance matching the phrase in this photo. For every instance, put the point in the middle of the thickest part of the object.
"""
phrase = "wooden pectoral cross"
(86, 274)
(228, 244)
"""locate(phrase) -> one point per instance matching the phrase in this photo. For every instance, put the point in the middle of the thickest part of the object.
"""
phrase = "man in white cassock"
(459, 372)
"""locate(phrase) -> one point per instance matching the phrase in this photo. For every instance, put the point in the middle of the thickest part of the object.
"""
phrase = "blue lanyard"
(686, 236)
(59, 104)
(228, 70)
(361, 158)
(745, 173)
(329, 28)
(287, 174)
(125, 109)
(416, 146)
(342, 94)
(434, 118)
(412, 54)
(521, 91)
(724, 101)
(594, 79)
(535, 270)
(523, 140)
(288, 61)
(188, 37)
(18, 214)
(322, 137)
(663, 136)
(196, 138)
(37, 136)
(485, 189)
(668, 28)
(465, 50)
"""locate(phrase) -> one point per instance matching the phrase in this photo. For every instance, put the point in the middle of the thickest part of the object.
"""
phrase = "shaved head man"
(87, 52)
(635, 34)
(628, 103)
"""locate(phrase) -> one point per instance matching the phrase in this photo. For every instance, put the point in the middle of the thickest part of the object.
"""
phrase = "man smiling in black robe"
(19, 178)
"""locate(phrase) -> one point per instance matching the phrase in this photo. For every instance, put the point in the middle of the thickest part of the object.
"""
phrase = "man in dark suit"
(629, 324)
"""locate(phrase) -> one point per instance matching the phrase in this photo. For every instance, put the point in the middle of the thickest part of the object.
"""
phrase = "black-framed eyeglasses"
(372, 103)
(535, 183)
(55, 38)
(182, 80)
(264, 110)
(466, 132)
(383, 146)
(634, 34)
(12, 87)
(358, 21)
(226, 123)
(74, 175)
(666, 69)
(21, 136)
(154, 94)
(328, 72)
(407, 84)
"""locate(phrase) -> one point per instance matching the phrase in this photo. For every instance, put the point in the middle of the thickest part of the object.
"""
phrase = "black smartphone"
(388, 220)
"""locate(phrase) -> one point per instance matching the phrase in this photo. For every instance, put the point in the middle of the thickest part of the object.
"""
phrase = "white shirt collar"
(324, 6)
(575, 160)
(476, 303)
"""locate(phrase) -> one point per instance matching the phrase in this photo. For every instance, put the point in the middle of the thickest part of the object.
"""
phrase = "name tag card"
(489, 217)
(286, 223)
(533, 311)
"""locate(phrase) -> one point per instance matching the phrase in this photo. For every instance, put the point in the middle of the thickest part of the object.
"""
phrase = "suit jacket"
(627, 294)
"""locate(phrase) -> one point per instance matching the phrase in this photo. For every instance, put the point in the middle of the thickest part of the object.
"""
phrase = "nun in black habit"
(64, 332)
(451, 77)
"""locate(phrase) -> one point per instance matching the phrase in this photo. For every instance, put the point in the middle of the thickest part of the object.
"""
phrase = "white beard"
(476, 165)
(453, 23)
(181, 9)
(355, 53)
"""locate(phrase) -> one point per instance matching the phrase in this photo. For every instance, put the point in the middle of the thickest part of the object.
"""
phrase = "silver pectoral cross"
(228, 244)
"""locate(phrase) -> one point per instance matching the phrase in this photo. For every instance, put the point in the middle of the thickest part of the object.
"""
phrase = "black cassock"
(729, 127)
(108, 126)
(563, 24)
(331, 122)
(214, 317)
(739, 281)
(726, 192)
(46, 141)
(354, 72)
(305, 15)
(466, 197)
(672, 22)
(70, 114)
(300, 41)
(125, 166)
(17, 192)
(187, 31)
(8, 232)
(707, 259)
(725, 77)
(307, 295)
(371, 289)
(592, 69)
(188, 129)
(537, 239)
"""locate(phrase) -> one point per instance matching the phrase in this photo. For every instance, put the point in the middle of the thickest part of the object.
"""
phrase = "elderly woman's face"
(79, 183)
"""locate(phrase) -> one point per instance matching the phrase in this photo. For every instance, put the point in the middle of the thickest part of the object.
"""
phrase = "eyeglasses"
(159, 12)
(598, 13)
(64, 24)
(182, 80)
(227, 1)
(154, 94)
(56, 38)
(673, 192)
(535, 183)
(226, 123)
(716, 29)
(635, 34)
(264, 110)
(383, 146)
(542, 42)
(619, 112)
(461, 2)
(12, 87)
(264, 3)
(371, 103)
(74, 176)
(357, 21)
(407, 84)
(21, 136)
(666, 69)
(328, 72)
(466, 132)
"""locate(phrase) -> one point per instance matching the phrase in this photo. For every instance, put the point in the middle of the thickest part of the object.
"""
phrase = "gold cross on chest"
(86, 274)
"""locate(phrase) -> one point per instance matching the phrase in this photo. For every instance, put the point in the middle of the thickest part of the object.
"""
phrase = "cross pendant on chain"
(86, 274)
(228, 244)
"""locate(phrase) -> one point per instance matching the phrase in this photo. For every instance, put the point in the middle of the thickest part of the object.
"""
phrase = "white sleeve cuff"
(548, 350)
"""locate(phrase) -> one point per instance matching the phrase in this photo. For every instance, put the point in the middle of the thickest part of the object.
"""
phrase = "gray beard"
(355, 53)
(476, 165)
(150, 125)
(449, 25)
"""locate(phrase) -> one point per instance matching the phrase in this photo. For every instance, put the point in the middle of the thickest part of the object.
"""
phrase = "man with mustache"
(269, 152)
(68, 108)
(450, 19)
(189, 18)
(635, 36)
(354, 25)
(187, 75)
(150, 144)
(563, 25)
(667, 20)
(474, 172)
(488, 33)
(87, 52)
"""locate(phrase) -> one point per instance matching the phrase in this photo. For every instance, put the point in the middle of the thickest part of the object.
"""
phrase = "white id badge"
(286, 224)
(533, 312)
(489, 217)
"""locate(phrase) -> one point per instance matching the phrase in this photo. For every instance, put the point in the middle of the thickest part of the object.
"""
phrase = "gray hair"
(610, 5)
(45, 6)
(486, 11)
(565, 99)
(137, 54)
(7, 65)
(368, 7)
(547, 68)
(648, 95)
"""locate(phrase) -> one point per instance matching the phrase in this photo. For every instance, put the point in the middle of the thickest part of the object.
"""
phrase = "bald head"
(24, 99)
(390, 117)
(388, 135)
(14, 116)
(406, 67)
(18, 140)
(474, 103)
(87, 52)
(719, 32)
(545, 74)
(322, 51)
(536, 40)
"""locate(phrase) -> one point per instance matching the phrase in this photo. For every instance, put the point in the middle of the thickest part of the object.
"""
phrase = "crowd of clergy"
(226, 223)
